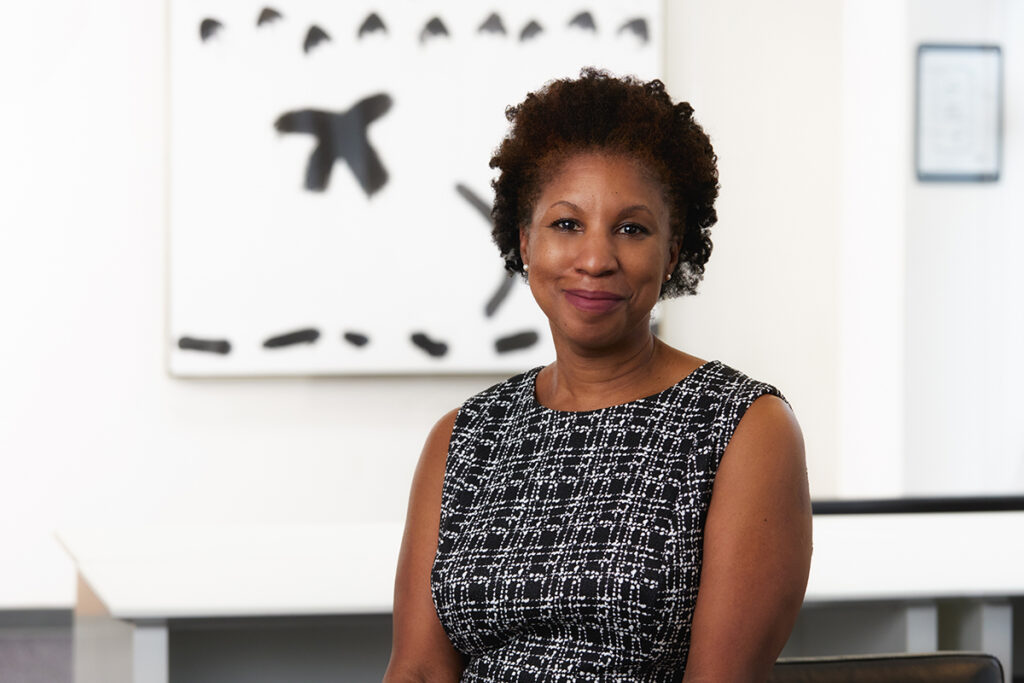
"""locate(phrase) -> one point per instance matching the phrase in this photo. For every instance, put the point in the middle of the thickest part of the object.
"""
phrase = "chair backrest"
(938, 667)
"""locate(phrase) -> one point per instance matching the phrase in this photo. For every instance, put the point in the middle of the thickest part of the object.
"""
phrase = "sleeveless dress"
(570, 543)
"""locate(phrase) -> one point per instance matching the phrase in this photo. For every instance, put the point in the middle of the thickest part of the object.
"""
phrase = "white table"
(132, 580)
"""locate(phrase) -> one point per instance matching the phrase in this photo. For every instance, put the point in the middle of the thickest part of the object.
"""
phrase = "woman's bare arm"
(420, 649)
(757, 550)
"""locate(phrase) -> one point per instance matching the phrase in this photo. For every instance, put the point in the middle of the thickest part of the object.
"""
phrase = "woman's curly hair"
(601, 113)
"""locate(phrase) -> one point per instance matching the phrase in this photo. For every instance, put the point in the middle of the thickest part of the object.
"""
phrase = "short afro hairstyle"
(598, 112)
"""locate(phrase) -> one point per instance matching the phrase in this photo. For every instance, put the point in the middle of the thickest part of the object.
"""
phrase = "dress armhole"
(734, 407)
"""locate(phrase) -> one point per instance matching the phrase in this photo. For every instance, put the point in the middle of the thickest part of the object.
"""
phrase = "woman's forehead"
(598, 170)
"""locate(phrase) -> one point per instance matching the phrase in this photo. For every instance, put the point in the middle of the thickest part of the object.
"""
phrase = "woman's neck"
(587, 379)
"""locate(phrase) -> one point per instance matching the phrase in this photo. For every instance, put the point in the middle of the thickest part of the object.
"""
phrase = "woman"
(629, 512)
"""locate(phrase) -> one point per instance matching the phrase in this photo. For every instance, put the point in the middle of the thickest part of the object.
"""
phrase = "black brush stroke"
(268, 15)
(371, 24)
(341, 135)
(502, 292)
(638, 27)
(530, 31)
(314, 36)
(356, 339)
(208, 28)
(433, 348)
(218, 346)
(516, 342)
(499, 296)
(474, 200)
(493, 24)
(584, 20)
(305, 336)
(434, 28)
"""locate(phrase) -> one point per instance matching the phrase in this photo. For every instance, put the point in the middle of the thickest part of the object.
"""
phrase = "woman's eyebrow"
(624, 211)
(633, 209)
(565, 202)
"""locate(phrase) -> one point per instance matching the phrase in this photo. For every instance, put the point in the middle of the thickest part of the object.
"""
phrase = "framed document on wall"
(959, 113)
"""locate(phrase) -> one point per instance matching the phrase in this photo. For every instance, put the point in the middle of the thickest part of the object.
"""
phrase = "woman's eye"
(565, 224)
(632, 229)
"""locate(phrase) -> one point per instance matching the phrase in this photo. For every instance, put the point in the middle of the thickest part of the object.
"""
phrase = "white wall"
(764, 79)
(876, 81)
(965, 288)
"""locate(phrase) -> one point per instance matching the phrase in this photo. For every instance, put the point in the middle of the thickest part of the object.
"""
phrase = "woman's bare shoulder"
(757, 548)
(420, 648)
(440, 434)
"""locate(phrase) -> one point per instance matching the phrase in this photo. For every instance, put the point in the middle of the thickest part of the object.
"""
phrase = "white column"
(876, 159)
(102, 649)
(921, 625)
(149, 653)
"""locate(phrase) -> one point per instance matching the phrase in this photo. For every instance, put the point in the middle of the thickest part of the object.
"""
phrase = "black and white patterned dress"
(570, 543)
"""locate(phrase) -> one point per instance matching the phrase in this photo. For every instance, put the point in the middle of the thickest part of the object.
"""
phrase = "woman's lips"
(593, 301)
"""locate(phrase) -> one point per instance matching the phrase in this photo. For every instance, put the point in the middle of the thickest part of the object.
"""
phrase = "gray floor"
(35, 647)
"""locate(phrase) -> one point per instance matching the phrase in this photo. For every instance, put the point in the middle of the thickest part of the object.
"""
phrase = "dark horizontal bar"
(910, 505)
(36, 618)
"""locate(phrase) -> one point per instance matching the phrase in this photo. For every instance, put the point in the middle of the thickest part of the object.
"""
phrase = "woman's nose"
(596, 256)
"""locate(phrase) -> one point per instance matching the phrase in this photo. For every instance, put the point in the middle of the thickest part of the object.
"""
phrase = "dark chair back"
(938, 667)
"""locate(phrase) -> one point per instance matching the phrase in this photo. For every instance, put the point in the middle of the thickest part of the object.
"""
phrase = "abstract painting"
(329, 181)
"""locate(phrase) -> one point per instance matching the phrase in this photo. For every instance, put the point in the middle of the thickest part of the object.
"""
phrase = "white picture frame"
(282, 265)
(959, 113)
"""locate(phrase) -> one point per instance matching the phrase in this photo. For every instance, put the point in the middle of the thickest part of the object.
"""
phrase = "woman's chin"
(601, 335)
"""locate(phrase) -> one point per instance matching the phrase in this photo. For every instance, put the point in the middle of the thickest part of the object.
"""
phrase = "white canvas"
(257, 254)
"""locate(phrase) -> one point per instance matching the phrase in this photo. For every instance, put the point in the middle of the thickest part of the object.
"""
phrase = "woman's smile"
(595, 301)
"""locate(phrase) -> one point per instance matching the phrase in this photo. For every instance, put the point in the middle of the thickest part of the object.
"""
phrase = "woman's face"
(599, 246)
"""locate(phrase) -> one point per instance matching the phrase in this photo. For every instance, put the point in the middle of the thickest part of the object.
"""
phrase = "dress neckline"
(531, 385)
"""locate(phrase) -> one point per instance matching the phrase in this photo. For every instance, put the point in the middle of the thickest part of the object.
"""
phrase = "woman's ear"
(524, 244)
(674, 247)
